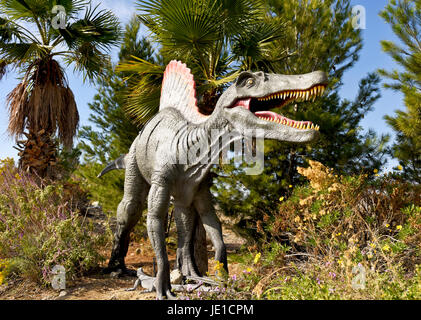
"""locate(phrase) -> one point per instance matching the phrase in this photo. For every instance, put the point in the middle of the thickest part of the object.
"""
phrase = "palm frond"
(10, 31)
(144, 81)
(100, 28)
(25, 9)
(254, 45)
(43, 100)
(240, 14)
(20, 53)
(3, 67)
(143, 102)
(183, 27)
(141, 67)
(88, 60)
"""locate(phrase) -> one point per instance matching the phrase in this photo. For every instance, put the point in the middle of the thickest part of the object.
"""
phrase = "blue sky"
(371, 58)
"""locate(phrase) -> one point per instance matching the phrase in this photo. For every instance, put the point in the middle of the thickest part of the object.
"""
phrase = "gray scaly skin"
(153, 175)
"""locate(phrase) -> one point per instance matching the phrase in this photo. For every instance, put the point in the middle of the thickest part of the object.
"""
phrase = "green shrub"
(327, 229)
(351, 218)
(40, 227)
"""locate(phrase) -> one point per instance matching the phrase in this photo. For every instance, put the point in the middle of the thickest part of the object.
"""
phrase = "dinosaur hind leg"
(158, 202)
(128, 213)
(204, 206)
(185, 221)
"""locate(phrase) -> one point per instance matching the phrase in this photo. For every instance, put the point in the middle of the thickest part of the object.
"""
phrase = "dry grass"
(43, 100)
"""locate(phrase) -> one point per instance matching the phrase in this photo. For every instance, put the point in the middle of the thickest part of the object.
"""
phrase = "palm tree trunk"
(38, 154)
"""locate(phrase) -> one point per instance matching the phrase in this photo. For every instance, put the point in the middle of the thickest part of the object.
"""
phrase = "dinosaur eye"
(250, 82)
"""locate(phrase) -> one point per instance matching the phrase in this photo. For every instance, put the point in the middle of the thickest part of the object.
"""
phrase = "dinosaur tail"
(119, 163)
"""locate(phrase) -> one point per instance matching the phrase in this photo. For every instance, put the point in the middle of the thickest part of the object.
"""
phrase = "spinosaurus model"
(154, 172)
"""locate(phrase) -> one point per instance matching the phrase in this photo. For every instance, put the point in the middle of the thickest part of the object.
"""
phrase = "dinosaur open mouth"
(260, 106)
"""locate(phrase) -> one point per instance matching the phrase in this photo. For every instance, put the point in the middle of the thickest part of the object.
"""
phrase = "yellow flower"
(400, 167)
(387, 225)
(386, 247)
(290, 185)
(218, 265)
(369, 256)
(281, 199)
(1, 278)
(248, 269)
(257, 258)
(340, 262)
(375, 171)
(399, 227)
(373, 245)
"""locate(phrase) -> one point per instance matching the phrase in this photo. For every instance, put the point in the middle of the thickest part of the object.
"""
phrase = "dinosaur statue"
(161, 164)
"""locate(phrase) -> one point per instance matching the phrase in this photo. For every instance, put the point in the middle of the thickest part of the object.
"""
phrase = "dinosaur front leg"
(204, 206)
(185, 222)
(158, 202)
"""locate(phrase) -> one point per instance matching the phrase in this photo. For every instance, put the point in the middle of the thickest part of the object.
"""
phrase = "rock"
(138, 251)
(61, 296)
(62, 293)
(176, 277)
(113, 297)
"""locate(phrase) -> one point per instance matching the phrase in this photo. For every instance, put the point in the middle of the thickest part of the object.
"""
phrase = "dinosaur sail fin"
(179, 92)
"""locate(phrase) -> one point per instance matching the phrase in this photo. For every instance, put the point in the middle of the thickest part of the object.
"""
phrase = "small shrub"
(40, 227)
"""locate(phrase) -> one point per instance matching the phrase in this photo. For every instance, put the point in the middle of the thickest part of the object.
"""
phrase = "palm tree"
(215, 38)
(42, 106)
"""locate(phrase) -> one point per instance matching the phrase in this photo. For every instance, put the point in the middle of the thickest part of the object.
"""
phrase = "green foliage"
(350, 212)
(320, 244)
(404, 17)
(107, 191)
(85, 39)
(40, 228)
(113, 132)
(215, 38)
(319, 37)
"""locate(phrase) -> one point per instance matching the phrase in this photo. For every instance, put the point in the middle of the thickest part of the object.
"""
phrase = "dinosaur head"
(248, 102)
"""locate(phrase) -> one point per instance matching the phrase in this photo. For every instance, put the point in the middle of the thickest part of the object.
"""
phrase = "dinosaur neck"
(216, 121)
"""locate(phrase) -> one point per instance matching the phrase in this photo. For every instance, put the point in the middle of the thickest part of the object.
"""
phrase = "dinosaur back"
(179, 92)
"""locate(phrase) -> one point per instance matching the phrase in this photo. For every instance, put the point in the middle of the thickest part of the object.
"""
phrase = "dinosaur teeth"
(301, 95)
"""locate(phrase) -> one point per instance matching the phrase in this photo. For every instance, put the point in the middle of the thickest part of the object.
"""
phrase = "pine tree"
(405, 19)
(320, 36)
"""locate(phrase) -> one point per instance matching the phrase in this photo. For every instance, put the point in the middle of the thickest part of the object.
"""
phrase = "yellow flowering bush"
(347, 218)
(4, 270)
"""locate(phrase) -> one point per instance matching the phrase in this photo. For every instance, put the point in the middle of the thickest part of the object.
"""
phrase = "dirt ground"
(98, 286)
